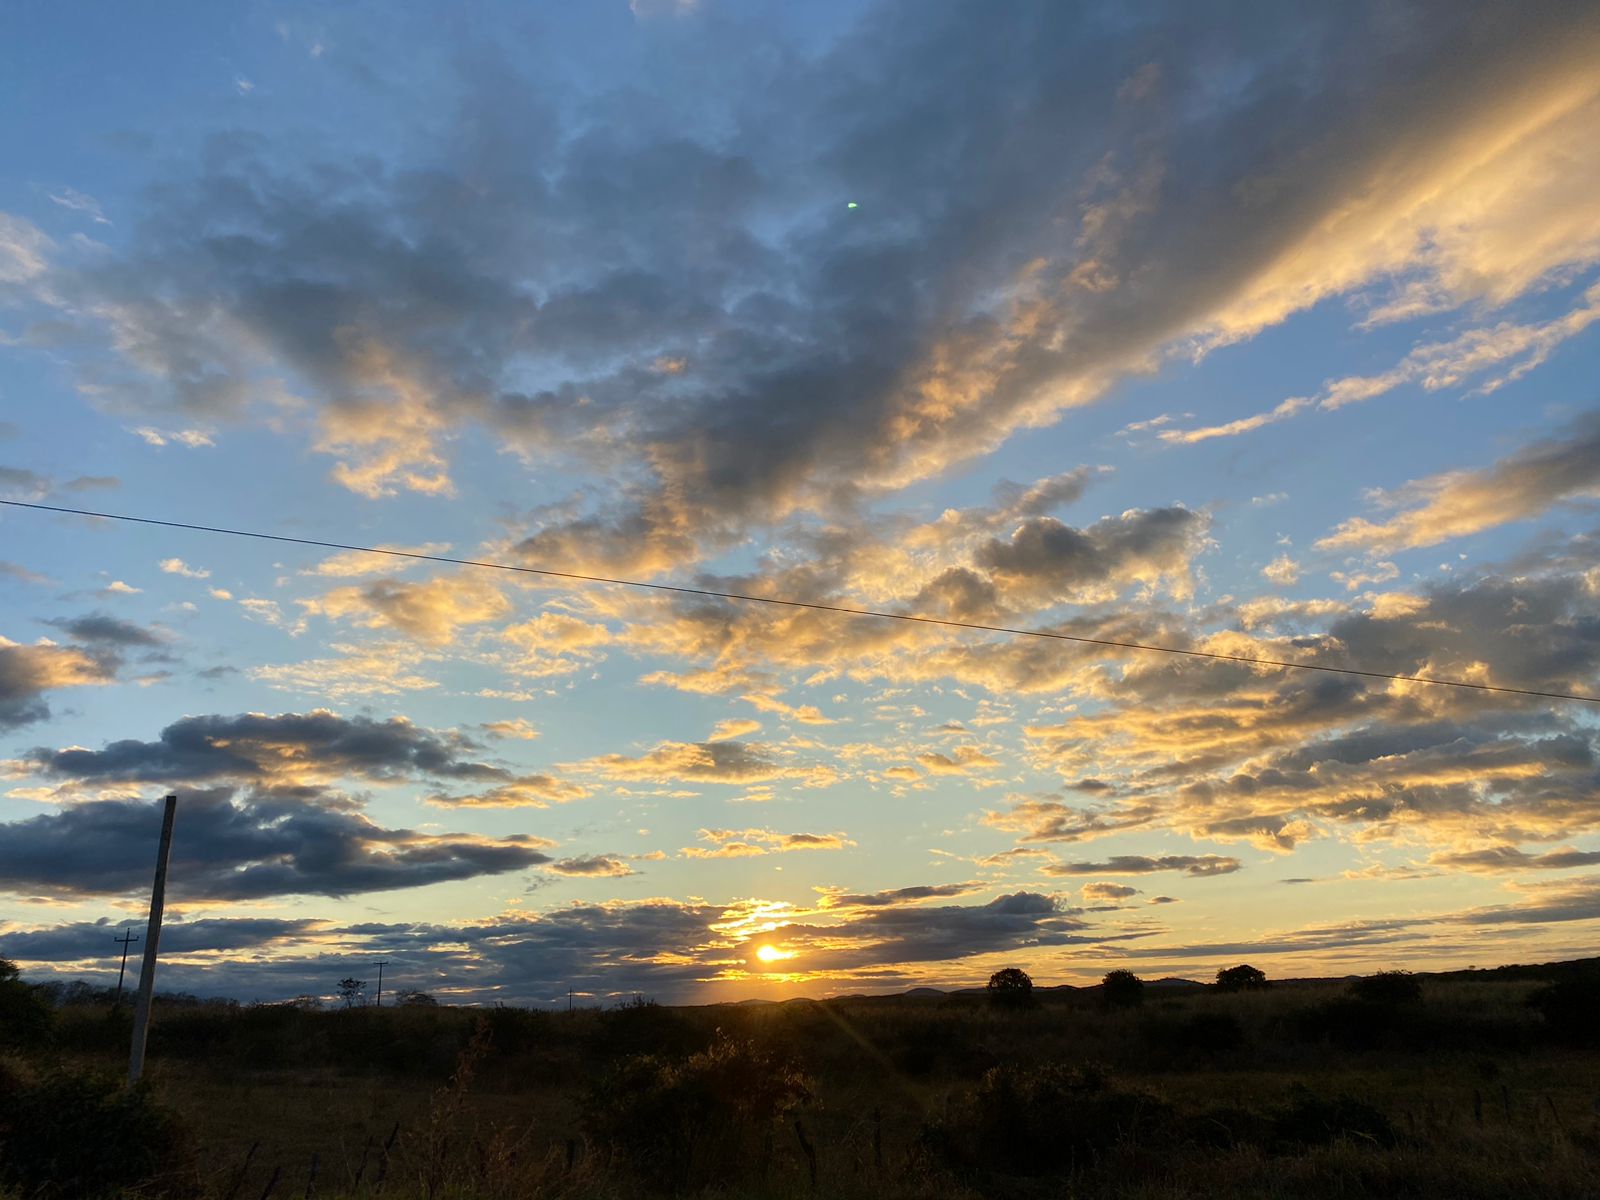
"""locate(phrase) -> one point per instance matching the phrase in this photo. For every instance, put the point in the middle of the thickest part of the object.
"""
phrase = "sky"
(1254, 329)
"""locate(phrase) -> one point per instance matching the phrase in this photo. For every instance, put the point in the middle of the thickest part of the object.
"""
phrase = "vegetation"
(1122, 989)
(1011, 987)
(1477, 1085)
(1242, 978)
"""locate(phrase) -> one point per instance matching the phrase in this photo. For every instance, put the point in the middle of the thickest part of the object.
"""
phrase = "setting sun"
(769, 954)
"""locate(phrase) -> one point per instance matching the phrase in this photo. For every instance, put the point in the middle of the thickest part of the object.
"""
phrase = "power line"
(845, 610)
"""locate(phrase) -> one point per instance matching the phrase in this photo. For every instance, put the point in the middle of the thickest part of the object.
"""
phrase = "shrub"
(1035, 1120)
(1388, 987)
(1311, 1119)
(1241, 978)
(1122, 989)
(1346, 1022)
(1011, 987)
(707, 1118)
(1569, 1007)
(1205, 1033)
(644, 1027)
(78, 1136)
(25, 1016)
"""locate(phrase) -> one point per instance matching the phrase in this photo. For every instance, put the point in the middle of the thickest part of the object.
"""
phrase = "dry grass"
(1481, 1103)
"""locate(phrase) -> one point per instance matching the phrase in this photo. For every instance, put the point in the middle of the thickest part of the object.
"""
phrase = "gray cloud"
(1140, 864)
(1521, 485)
(756, 346)
(1511, 858)
(258, 844)
(89, 940)
(255, 745)
(592, 866)
(102, 629)
(904, 895)
(28, 672)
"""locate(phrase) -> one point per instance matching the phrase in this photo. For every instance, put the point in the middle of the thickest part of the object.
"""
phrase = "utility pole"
(152, 940)
(125, 941)
(382, 963)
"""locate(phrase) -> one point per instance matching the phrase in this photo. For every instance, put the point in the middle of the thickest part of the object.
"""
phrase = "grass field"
(1298, 1090)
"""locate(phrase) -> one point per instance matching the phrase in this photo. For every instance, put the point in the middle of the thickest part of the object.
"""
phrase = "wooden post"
(152, 940)
(127, 939)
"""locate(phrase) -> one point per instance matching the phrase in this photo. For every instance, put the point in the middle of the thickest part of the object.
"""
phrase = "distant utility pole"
(569, 999)
(152, 940)
(381, 965)
(126, 940)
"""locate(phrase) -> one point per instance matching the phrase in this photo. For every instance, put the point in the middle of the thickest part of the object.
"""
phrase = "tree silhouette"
(351, 990)
(1241, 978)
(1122, 989)
(1011, 986)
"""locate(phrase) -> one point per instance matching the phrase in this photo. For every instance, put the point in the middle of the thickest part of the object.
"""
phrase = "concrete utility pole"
(382, 963)
(126, 940)
(152, 940)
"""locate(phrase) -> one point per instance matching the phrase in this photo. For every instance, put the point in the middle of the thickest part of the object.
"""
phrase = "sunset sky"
(1262, 329)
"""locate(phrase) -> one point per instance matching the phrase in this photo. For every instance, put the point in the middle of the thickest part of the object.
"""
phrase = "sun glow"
(768, 954)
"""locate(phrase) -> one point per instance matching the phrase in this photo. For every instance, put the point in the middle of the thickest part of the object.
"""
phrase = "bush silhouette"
(1011, 987)
(682, 1124)
(24, 1015)
(1122, 989)
(1352, 1023)
(1033, 1120)
(81, 1137)
(1201, 1033)
(1388, 987)
(1241, 978)
(1569, 1007)
(1311, 1119)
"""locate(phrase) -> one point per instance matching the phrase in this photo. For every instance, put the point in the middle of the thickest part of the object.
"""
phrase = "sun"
(769, 954)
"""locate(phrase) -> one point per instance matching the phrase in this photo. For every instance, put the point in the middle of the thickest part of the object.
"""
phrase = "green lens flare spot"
(852, 204)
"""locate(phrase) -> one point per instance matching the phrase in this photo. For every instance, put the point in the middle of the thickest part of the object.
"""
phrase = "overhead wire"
(815, 606)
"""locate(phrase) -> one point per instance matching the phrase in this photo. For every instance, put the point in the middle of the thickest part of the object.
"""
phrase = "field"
(1305, 1089)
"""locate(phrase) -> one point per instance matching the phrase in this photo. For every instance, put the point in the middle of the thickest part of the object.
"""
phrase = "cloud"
(1281, 412)
(387, 668)
(904, 895)
(258, 844)
(432, 610)
(748, 843)
(297, 747)
(17, 571)
(704, 762)
(1106, 893)
(523, 791)
(79, 202)
(104, 630)
(1140, 864)
(971, 295)
(1283, 571)
(28, 672)
(24, 249)
(963, 760)
(1458, 503)
(352, 563)
(591, 866)
(1512, 858)
(81, 941)
(193, 439)
(176, 566)
(20, 483)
